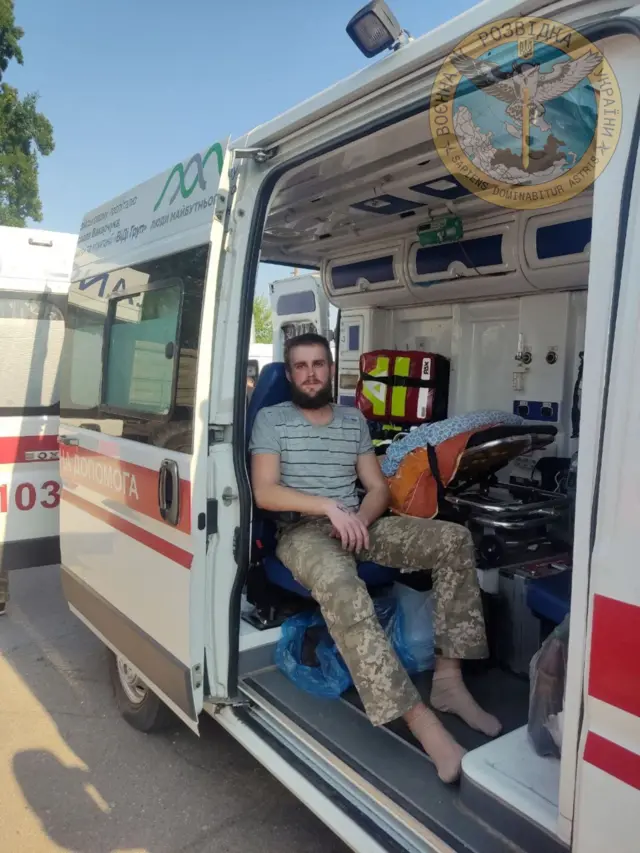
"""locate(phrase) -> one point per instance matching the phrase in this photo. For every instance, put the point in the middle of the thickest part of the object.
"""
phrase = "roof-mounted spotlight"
(375, 29)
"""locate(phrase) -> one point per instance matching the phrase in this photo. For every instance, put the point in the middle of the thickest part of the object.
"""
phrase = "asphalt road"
(75, 777)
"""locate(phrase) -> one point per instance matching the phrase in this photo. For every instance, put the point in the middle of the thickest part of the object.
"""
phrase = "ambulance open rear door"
(136, 378)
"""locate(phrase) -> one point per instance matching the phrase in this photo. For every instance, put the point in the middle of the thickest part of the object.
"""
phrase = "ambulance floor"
(499, 692)
(390, 759)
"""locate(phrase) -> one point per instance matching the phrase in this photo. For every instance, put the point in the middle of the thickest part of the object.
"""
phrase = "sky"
(132, 86)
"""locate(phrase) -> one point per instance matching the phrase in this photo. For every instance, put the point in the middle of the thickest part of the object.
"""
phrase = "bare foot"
(450, 694)
(436, 741)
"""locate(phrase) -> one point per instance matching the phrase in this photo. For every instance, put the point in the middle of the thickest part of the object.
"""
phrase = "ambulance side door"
(608, 772)
(134, 432)
(298, 305)
(606, 801)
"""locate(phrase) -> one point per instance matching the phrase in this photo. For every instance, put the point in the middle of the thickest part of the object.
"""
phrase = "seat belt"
(435, 470)
(577, 394)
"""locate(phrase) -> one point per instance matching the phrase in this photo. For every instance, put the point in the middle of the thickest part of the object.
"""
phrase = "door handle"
(169, 491)
(69, 442)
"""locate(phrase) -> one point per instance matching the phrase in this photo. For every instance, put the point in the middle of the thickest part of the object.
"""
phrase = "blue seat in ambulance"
(272, 388)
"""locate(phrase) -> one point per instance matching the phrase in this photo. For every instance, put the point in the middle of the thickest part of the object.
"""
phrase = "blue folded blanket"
(440, 431)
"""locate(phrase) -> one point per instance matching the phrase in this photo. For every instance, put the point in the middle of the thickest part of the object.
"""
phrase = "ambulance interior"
(505, 305)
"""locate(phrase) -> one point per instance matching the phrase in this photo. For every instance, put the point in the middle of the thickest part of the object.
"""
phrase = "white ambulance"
(535, 308)
(35, 270)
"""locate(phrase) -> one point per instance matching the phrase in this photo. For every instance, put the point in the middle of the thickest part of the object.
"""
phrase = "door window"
(302, 302)
(142, 351)
(131, 349)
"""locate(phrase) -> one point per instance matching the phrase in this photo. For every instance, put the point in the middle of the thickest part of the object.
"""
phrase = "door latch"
(216, 434)
(228, 496)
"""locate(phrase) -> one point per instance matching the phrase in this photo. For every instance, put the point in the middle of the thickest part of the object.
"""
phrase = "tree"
(25, 133)
(262, 320)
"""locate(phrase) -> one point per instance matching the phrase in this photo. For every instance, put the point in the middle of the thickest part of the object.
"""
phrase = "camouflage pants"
(320, 564)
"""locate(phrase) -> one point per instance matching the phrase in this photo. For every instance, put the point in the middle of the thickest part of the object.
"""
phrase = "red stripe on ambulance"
(131, 485)
(150, 540)
(614, 675)
(613, 759)
(19, 449)
(614, 678)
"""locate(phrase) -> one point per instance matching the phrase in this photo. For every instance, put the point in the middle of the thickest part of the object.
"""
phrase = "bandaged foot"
(449, 694)
(436, 741)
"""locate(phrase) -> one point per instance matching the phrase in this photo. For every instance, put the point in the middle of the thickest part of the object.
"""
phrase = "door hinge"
(212, 516)
(260, 155)
(196, 676)
(236, 543)
(220, 206)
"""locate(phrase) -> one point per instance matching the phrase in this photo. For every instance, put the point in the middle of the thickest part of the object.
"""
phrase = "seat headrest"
(271, 388)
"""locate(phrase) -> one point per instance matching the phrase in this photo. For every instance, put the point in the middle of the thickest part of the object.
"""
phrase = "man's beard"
(306, 401)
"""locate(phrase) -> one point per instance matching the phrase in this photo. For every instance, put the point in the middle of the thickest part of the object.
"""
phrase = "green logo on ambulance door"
(182, 172)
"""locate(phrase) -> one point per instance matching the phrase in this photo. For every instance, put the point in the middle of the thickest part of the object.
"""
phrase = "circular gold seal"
(525, 113)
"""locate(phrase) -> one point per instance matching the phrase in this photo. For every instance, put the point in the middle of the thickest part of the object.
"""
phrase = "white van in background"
(259, 356)
(298, 305)
(262, 354)
(35, 269)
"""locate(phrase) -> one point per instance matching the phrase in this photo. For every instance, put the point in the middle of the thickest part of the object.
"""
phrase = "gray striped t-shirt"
(316, 460)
